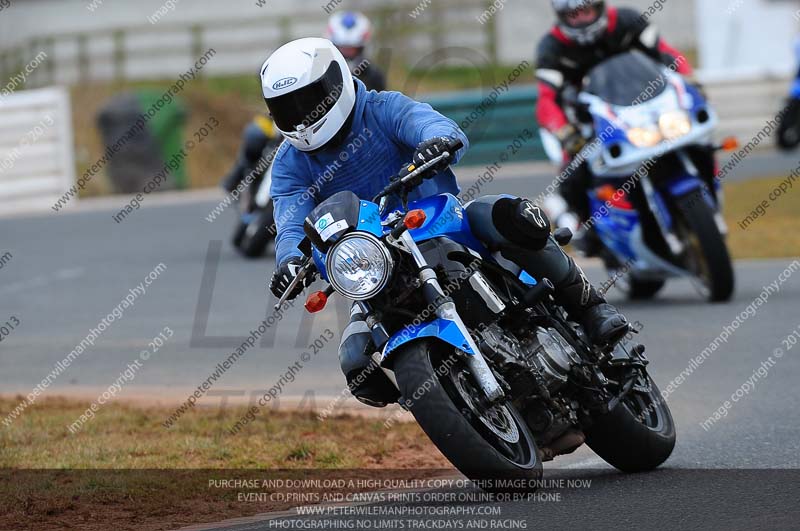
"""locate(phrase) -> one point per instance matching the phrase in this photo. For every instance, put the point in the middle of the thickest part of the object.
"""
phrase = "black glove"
(430, 149)
(284, 275)
(571, 140)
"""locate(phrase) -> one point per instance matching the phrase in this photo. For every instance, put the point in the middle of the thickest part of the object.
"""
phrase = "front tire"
(638, 434)
(484, 444)
(706, 252)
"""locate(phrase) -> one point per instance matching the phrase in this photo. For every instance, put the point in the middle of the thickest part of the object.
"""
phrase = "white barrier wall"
(747, 38)
(36, 148)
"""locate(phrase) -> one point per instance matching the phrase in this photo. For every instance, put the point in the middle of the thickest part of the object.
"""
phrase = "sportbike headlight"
(359, 266)
(674, 124)
(642, 137)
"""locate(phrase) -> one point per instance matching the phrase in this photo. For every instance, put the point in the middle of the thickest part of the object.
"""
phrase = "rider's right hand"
(571, 140)
(283, 277)
(430, 149)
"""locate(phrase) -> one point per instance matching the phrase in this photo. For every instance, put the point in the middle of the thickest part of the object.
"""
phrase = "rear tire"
(429, 374)
(706, 252)
(644, 289)
(635, 288)
(628, 443)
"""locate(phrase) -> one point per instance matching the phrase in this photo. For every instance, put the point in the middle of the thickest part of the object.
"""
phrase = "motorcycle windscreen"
(626, 79)
(331, 219)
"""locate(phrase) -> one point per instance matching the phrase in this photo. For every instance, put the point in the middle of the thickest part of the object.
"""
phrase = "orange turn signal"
(414, 219)
(606, 192)
(729, 143)
(316, 302)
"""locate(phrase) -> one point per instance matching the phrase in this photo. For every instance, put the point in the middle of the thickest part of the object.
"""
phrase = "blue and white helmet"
(309, 91)
(583, 21)
(350, 31)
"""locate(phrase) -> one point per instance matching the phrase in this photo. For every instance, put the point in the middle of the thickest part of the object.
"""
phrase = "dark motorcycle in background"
(476, 349)
(255, 228)
(789, 121)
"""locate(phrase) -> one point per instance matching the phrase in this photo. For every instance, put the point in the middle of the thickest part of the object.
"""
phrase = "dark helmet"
(583, 21)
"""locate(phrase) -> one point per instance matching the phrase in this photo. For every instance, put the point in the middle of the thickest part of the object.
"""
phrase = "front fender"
(442, 329)
(686, 184)
(683, 184)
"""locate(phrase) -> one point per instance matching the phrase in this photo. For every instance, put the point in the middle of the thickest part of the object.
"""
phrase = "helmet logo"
(284, 83)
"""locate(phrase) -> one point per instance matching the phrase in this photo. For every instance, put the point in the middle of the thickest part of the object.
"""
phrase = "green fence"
(495, 127)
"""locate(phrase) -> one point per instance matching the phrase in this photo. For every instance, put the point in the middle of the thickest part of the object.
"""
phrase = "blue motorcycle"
(654, 200)
(477, 350)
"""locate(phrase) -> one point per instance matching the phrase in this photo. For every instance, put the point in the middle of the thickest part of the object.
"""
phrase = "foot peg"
(567, 443)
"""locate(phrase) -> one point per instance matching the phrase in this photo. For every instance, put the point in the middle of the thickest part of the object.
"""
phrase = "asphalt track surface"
(69, 270)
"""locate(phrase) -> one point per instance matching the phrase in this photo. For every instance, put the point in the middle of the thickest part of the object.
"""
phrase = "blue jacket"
(386, 129)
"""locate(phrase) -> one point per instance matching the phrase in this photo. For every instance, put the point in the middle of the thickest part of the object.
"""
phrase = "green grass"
(124, 470)
(127, 436)
(776, 234)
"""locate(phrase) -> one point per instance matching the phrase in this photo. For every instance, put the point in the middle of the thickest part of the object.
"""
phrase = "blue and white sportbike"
(491, 368)
(654, 200)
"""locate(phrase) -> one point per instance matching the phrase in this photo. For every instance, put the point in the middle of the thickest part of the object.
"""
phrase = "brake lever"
(425, 167)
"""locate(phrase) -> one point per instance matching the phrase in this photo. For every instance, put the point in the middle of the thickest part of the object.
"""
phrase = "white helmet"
(350, 31)
(309, 91)
(583, 21)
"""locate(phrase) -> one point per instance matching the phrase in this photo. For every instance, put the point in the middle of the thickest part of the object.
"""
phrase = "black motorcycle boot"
(601, 321)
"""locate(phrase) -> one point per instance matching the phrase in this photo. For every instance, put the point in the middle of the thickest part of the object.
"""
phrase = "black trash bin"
(137, 145)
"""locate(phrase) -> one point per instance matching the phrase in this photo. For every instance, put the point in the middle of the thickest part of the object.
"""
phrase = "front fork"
(675, 244)
(445, 309)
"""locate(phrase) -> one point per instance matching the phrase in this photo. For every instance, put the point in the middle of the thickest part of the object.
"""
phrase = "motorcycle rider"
(258, 135)
(586, 33)
(351, 32)
(319, 108)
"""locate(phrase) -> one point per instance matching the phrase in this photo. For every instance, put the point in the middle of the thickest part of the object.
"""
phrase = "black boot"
(602, 322)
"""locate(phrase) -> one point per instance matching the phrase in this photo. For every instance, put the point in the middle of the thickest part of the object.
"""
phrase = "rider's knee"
(521, 222)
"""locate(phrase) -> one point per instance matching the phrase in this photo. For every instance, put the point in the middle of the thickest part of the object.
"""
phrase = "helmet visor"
(309, 104)
(580, 17)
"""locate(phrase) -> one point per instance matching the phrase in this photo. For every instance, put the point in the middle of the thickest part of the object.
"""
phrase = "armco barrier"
(36, 149)
(492, 126)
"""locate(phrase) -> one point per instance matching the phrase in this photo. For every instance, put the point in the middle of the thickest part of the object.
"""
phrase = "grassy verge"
(124, 470)
(129, 436)
(776, 233)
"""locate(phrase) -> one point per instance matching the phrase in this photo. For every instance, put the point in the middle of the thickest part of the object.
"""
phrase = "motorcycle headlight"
(644, 136)
(359, 266)
(674, 125)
